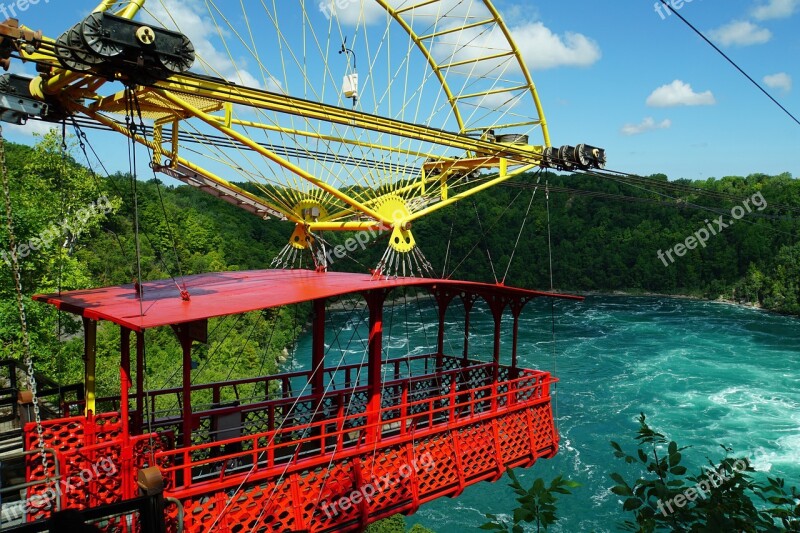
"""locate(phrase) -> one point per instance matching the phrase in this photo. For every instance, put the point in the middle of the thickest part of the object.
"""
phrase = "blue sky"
(618, 74)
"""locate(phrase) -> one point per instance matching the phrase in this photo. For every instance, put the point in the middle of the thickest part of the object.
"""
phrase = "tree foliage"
(602, 243)
(725, 496)
(394, 524)
(537, 505)
(182, 232)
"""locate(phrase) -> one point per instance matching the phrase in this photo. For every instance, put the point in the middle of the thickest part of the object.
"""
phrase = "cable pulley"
(17, 104)
(568, 157)
(119, 48)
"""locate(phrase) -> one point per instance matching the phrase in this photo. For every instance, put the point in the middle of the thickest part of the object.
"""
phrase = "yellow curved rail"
(496, 19)
(176, 97)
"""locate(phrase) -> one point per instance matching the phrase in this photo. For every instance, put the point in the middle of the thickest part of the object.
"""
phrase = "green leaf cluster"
(725, 496)
(538, 505)
(182, 231)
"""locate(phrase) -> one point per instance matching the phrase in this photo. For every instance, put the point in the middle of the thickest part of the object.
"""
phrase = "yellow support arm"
(272, 156)
(281, 103)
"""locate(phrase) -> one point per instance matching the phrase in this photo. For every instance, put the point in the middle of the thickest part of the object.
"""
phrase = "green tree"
(723, 497)
(537, 505)
(394, 524)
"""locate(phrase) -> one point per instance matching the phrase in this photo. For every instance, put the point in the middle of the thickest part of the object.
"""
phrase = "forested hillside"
(604, 242)
(54, 195)
(606, 236)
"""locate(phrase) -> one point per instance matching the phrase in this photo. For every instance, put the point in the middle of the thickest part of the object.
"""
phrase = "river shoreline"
(647, 294)
(352, 303)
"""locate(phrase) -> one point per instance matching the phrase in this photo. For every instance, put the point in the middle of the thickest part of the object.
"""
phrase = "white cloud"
(741, 33)
(679, 93)
(504, 101)
(781, 80)
(353, 12)
(538, 45)
(648, 124)
(31, 128)
(185, 16)
(543, 49)
(776, 9)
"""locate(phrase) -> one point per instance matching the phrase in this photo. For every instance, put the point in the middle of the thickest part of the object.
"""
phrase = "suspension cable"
(483, 235)
(449, 241)
(552, 303)
(131, 124)
(143, 129)
(483, 239)
(26, 341)
(731, 61)
(60, 258)
(522, 227)
(83, 143)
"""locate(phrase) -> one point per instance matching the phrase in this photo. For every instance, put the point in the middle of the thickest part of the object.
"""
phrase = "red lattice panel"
(515, 442)
(311, 500)
(477, 446)
(64, 435)
(61, 435)
(340, 495)
(67, 434)
(107, 427)
(146, 447)
(322, 491)
(541, 425)
(200, 514)
(444, 472)
(259, 507)
(95, 476)
(90, 477)
(390, 473)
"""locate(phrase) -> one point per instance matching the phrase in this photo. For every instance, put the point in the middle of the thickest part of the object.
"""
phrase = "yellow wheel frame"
(452, 165)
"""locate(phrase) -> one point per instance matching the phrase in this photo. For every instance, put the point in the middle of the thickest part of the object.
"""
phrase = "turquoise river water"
(705, 374)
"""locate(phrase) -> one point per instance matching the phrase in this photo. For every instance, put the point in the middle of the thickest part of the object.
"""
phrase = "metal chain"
(21, 305)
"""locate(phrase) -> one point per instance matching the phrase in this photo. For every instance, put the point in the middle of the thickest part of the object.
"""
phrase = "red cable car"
(332, 448)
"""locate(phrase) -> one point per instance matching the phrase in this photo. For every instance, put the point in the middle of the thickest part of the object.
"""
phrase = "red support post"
(188, 333)
(469, 301)
(90, 361)
(443, 299)
(317, 376)
(140, 370)
(497, 306)
(318, 349)
(375, 303)
(516, 310)
(498, 324)
(440, 342)
(186, 345)
(125, 378)
(514, 345)
(125, 382)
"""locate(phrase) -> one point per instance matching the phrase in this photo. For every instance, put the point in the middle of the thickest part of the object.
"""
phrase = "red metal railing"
(343, 376)
(269, 452)
(472, 421)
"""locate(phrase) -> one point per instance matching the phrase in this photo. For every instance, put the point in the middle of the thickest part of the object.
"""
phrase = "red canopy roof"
(229, 293)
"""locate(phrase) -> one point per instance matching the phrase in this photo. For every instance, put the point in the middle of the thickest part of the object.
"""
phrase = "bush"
(723, 497)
